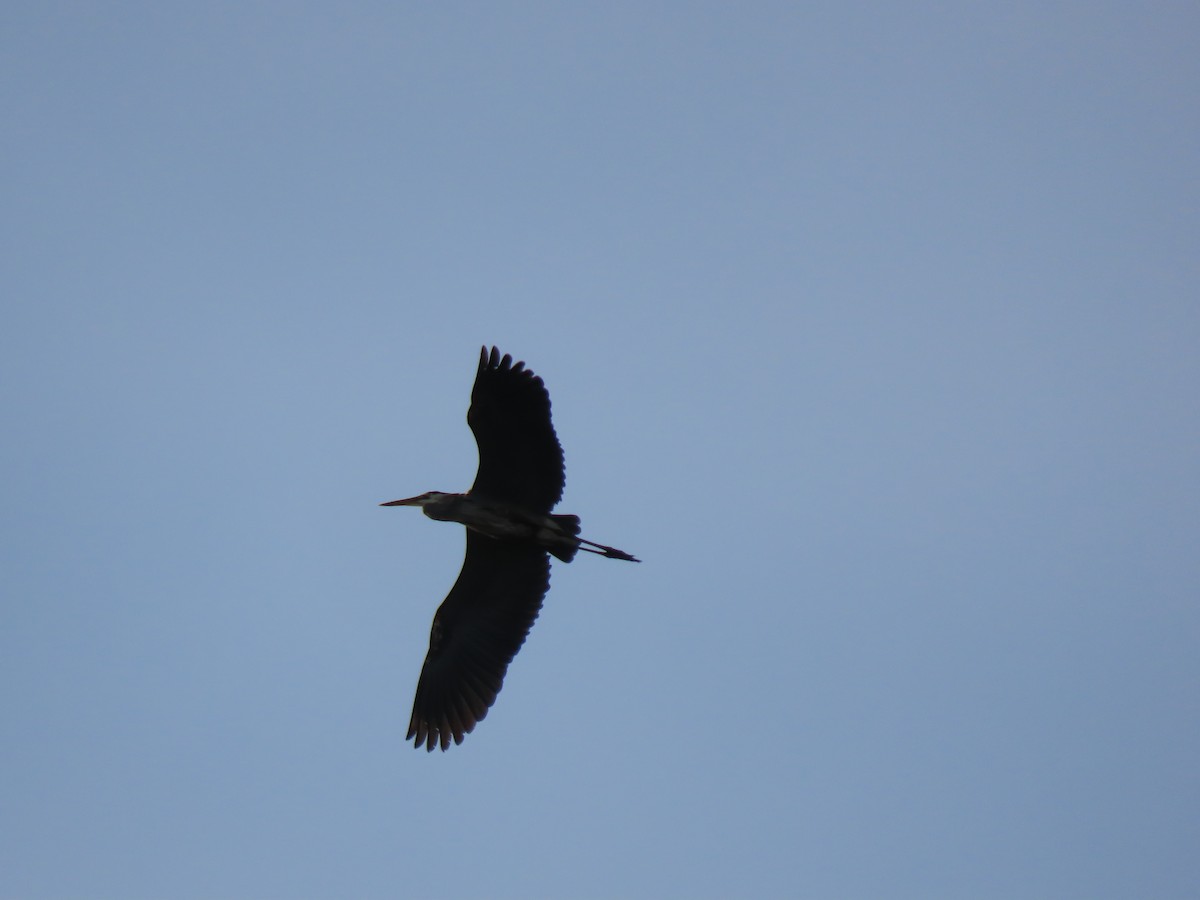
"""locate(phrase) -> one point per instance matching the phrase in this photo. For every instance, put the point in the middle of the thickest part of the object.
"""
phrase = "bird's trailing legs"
(610, 552)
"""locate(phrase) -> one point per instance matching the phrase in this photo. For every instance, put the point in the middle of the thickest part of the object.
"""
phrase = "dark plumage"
(520, 458)
(484, 619)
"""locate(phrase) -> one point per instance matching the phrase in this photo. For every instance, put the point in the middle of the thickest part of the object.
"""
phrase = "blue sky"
(872, 328)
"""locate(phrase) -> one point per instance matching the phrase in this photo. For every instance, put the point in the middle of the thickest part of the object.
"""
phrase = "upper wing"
(477, 631)
(520, 459)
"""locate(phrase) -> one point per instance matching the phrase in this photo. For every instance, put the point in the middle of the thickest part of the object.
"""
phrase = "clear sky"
(874, 329)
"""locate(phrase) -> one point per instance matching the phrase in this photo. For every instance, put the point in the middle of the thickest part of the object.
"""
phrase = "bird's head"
(421, 500)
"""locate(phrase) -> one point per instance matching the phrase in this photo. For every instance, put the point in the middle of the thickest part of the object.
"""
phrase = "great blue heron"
(484, 619)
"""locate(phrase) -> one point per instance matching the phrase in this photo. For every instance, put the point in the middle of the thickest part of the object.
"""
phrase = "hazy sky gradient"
(872, 328)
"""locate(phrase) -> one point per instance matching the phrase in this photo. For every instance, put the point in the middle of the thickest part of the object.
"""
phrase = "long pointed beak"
(407, 501)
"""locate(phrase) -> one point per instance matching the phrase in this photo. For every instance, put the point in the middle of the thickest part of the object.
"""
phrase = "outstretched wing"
(520, 459)
(477, 631)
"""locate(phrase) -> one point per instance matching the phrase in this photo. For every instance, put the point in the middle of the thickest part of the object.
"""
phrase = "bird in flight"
(511, 535)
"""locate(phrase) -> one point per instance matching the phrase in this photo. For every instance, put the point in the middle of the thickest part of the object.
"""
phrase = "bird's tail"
(566, 551)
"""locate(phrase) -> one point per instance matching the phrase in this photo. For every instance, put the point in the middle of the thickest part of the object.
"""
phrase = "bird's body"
(557, 534)
(482, 623)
